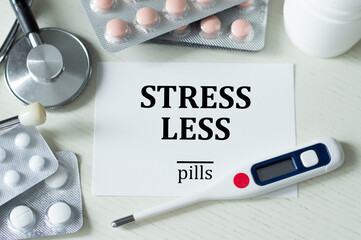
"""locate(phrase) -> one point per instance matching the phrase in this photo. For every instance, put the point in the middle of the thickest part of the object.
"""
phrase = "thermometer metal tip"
(122, 221)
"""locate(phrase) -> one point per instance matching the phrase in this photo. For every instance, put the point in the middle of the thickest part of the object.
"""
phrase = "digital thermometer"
(260, 177)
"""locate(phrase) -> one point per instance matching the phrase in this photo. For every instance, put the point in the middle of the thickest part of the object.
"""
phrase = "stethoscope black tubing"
(25, 16)
(10, 38)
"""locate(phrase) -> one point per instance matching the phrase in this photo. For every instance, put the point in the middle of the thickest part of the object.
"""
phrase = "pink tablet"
(204, 2)
(147, 17)
(175, 8)
(210, 26)
(245, 4)
(181, 31)
(103, 5)
(240, 29)
(116, 30)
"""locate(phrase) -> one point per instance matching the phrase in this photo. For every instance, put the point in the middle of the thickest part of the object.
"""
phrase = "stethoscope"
(50, 66)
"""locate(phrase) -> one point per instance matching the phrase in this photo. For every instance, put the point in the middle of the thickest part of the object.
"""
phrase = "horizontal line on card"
(202, 162)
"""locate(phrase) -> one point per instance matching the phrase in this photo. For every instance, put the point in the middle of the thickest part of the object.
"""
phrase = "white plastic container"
(323, 28)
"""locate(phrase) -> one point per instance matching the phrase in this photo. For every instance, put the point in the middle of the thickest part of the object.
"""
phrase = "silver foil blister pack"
(25, 160)
(136, 23)
(52, 207)
(231, 34)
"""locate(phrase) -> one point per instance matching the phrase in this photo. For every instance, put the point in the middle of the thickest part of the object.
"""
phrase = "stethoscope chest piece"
(44, 62)
(52, 74)
(49, 66)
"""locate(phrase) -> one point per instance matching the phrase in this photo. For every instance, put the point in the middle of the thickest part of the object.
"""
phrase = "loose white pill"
(12, 178)
(36, 163)
(58, 179)
(59, 214)
(2, 154)
(22, 140)
(22, 218)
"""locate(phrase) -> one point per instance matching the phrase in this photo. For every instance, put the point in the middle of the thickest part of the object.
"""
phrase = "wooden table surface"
(328, 103)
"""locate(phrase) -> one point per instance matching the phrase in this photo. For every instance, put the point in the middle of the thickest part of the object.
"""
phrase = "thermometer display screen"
(276, 169)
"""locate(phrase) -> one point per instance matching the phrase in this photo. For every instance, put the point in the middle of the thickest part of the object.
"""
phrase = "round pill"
(245, 4)
(59, 214)
(58, 179)
(240, 29)
(36, 163)
(204, 3)
(2, 154)
(146, 17)
(117, 28)
(12, 178)
(104, 5)
(22, 218)
(175, 8)
(210, 26)
(22, 140)
(180, 30)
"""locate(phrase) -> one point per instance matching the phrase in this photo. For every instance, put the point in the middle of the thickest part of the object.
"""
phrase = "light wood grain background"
(328, 103)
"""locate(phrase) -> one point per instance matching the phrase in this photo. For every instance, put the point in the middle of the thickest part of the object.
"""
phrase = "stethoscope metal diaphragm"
(53, 73)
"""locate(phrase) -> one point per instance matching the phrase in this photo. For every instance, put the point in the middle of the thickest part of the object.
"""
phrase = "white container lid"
(335, 10)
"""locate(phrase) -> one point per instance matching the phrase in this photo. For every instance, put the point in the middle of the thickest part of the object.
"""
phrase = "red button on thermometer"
(260, 177)
(241, 180)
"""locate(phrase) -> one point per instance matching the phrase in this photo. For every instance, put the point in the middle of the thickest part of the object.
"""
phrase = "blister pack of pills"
(242, 27)
(25, 160)
(119, 24)
(52, 207)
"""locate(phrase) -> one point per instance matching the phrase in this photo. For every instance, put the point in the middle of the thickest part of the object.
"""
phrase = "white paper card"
(169, 129)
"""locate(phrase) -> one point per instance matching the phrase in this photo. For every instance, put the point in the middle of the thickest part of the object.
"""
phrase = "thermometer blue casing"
(266, 175)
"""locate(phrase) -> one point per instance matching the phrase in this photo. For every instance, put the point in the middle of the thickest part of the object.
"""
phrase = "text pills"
(240, 29)
(36, 163)
(58, 179)
(116, 30)
(210, 27)
(22, 218)
(12, 178)
(147, 18)
(59, 214)
(176, 9)
(22, 140)
(2, 154)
